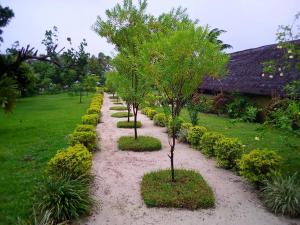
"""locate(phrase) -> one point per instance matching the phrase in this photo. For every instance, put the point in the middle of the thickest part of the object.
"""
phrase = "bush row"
(65, 193)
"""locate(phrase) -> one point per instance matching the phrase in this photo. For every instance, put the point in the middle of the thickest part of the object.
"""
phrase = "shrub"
(118, 108)
(84, 127)
(75, 161)
(194, 135)
(208, 143)
(176, 123)
(143, 143)
(93, 110)
(282, 195)
(188, 191)
(228, 151)
(87, 138)
(146, 110)
(64, 197)
(236, 108)
(130, 124)
(91, 119)
(250, 114)
(259, 165)
(121, 114)
(160, 119)
(183, 132)
(151, 113)
(219, 103)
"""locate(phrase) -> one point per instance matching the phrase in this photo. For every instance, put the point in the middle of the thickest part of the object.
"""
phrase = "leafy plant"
(91, 119)
(183, 132)
(85, 128)
(75, 161)
(250, 114)
(195, 134)
(160, 119)
(87, 138)
(174, 124)
(259, 165)
(228, 152)
(208, 143)
(93, 110)
(151, 113)
(236, 108)
(282, 195)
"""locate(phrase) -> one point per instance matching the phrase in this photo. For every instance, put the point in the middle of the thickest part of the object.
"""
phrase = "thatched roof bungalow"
(245, 74)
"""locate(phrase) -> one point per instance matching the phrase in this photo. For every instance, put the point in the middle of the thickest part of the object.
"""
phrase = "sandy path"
(120, 173)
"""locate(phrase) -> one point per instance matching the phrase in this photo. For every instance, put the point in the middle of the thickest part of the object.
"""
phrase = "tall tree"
(177, 64)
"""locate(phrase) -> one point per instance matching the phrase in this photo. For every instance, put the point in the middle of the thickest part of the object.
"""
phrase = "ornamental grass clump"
(87, 138)
(259, 165)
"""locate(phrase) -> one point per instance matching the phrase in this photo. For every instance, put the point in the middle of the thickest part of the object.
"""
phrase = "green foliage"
(282, 195)
(250, 114)
(121, 114)
(176, 123)
(228, 152)
(195, 134)
(87, 138)
(111, 81)
(208, 143)
(64, 197)
(259, 165)
(91, 119)
(183, 132)
(141, 144)
(160, 119)
(237, 106)
(75, 161)
(130, 124)
(85, 128)
(189, 190)
(93, 110)
(151, 113)
(146, 110)
(151, 100)
(118, 108)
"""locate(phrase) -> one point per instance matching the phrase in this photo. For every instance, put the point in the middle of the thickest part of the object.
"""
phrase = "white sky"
(249, 23)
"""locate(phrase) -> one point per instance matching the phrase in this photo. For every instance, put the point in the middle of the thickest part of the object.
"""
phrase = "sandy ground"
(119, 175)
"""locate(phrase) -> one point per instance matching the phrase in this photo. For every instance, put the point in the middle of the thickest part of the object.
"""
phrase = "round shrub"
(146, 110)
(93, 110)
(160, 119)
(208, 143)
(183, 132)
(75, 161)
(282, 195)
(91, 119)
(151, 113)
(63, 198)
(259, 165)
(87, 138)
(228, 152)
(177, 125)
(194, 135)
(84, 127)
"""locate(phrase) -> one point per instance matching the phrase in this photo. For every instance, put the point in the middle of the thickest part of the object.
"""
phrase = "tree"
(214, 37)
(177, 64)
(5, 15)
(111, 81)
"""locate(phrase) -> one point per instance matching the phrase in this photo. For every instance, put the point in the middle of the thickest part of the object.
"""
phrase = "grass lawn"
(141, 144)
(287, 144)
(130, 124)
(29, 137)
(121, 114)
(118, 108)
(188, 191)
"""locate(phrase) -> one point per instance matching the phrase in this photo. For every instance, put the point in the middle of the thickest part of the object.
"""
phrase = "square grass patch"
(189, 191)
(113, 97)
(130, 124)
(121, 114)
(141, 144)
(118, 108)
(118, 103)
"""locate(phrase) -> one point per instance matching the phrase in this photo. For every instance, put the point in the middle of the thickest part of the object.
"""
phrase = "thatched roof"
(245, 73)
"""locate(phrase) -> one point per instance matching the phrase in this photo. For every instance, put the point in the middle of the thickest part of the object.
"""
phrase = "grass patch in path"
(113, 97)
(118, 103)
(190, 190)
(130, 124)
(120, 114)
(118, 108)
(29, 137)
(142, 144)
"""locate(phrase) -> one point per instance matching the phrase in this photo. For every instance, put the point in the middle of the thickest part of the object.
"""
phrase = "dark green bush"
(85, 127)
(160, 119)
(143, 143)
(75, 161)
(130, 124)
(195, 134)
(87, 138)
(188, 191)
(65, 198)
(282, 195)
(259, 165)
(92, 119)
(208, 143)
(228, 152)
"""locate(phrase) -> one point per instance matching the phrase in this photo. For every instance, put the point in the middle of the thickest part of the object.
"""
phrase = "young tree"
(111, 81)
(177, 64)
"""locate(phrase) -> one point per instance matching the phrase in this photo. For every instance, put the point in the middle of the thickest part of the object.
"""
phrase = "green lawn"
(29, 137)
(287, 144)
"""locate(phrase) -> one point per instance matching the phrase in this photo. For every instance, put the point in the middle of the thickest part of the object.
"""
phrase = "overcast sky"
(249, 23)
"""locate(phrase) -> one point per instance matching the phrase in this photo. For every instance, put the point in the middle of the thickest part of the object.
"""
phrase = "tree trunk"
(172, 154)
(135, 111)
(80, 95)
(128, 115)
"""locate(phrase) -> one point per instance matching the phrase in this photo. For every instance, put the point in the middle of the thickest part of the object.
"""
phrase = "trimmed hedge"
(195, 134)
(92, 119)
(87, 138)
(85, 127)
(160, 119)
(93, 110)
(208, 143)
